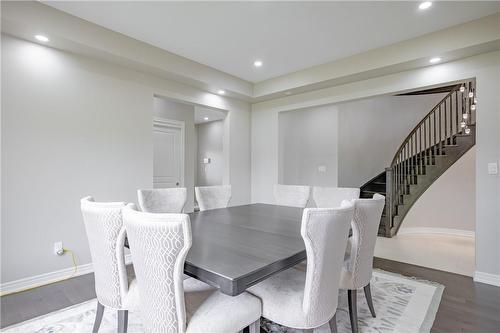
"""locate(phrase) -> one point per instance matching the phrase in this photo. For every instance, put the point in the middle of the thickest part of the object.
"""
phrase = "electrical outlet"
(58, 249)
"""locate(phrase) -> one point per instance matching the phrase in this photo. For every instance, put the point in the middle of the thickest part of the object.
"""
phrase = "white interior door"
(168, 153)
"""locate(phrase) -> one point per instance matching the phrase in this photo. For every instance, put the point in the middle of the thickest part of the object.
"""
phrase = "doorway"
(168, 153)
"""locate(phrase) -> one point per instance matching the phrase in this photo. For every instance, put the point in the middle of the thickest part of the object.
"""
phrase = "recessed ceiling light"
(435, 60)
(206, 118)
(257, 63)
(42, 38)
(425, 5)
(221, 92)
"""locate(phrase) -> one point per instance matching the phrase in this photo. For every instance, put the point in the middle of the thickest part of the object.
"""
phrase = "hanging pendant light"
(473, 107)
(463, 124)
(462, 88)
(471, 94)
(465, 115)
(467, 130)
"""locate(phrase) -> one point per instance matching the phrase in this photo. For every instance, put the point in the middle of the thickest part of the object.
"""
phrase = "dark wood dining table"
(236, 247)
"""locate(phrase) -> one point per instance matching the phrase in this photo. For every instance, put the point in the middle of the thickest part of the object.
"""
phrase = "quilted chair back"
(325, 232)
(159, 244)
(367, 214)
(103, 221)
(213, 197)
(325, 197)
(292, 195)
(162, 200)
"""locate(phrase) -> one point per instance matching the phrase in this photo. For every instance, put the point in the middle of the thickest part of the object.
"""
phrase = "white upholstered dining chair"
(159, 244)
(307, 300)
(213, 197)
(325, 197)
(103, 224)
(162, 200)
(357, 270)
(292, 195)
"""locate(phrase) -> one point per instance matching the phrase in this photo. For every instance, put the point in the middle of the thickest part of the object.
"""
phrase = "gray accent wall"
(346, 144)
(308, 147)
(371, 130)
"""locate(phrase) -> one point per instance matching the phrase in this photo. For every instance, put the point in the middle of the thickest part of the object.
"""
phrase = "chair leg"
(353, 310)
(122, 321)
(333, 324)
(98, 317)
(369, 300)
(254, 327)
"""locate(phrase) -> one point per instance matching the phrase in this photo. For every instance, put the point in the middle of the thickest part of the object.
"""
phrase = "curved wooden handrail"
(405, 141)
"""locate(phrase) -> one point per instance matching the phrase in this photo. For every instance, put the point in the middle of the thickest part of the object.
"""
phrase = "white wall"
(371, 131)
(488, 186)
(450, 201)
(237, 144)
(69, 129)
(210, 145)
(166, 109)
(485, 68)
(308, 140)
(73, 126)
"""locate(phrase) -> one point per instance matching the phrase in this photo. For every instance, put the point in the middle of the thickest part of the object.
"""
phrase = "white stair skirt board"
(51, 277)
(487, 278)
(436, 231)
(402, 304)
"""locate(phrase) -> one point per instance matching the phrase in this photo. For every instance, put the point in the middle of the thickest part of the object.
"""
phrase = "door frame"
(158, 124)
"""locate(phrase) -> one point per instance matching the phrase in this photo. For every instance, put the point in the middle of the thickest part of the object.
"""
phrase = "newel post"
(389, 199)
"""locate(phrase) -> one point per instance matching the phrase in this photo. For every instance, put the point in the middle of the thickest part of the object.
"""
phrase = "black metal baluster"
(456, 112)
(444, 124)
(450, 138)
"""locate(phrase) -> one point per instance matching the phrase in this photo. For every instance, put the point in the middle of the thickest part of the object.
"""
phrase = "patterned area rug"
(402, 304)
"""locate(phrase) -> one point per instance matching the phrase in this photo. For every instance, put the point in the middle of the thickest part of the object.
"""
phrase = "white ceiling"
(202, 113)
(286, 36)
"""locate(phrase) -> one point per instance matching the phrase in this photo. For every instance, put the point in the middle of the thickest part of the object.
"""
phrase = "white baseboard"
(47, 278)
(487, 278)
(436, 231)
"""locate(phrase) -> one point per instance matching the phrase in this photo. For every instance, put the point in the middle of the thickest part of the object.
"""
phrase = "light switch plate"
(492, 168)
(206, 160)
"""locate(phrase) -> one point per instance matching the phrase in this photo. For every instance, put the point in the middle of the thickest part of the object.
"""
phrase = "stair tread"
(373, 192)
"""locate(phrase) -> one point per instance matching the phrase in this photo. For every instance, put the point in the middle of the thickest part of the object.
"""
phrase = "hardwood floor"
(466, 306)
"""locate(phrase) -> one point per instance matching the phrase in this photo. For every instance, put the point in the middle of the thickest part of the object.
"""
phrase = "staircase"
(446, 133)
